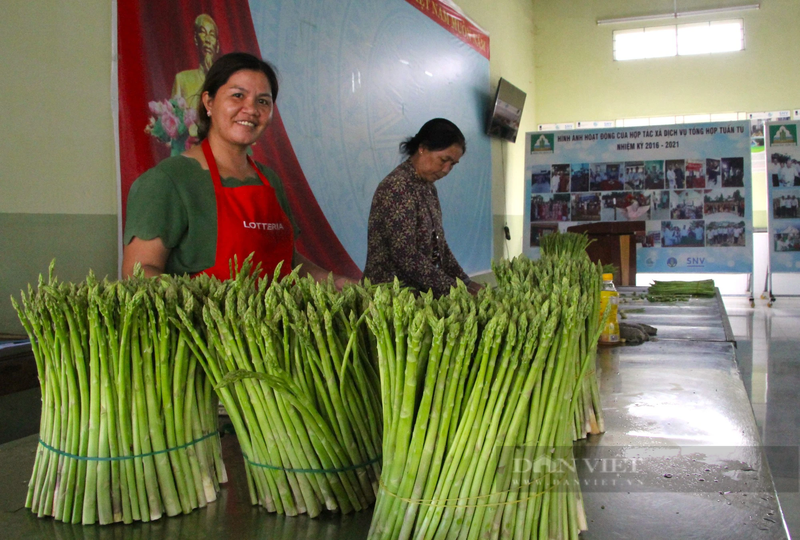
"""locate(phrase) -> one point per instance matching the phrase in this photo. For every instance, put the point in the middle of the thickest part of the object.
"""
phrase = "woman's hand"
(308, 268)
(341, 281)
(474, 287)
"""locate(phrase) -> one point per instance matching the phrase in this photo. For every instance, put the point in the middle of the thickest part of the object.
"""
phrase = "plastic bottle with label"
(609, 295)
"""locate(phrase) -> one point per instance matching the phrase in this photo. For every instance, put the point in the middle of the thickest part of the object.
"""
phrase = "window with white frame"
(681, 39)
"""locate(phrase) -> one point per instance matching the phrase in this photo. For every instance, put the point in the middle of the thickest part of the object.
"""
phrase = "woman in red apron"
(170, 206)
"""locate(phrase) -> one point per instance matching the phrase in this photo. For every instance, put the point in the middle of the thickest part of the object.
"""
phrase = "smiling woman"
(193, 213)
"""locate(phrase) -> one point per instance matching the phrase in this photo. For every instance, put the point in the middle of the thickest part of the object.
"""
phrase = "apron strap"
(258, 172)
(212, 163)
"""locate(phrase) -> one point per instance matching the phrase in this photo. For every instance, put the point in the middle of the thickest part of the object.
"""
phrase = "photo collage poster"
(783, 188)
(689, 183)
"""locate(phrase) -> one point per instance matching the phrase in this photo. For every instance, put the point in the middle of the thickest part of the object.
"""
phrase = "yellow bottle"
(609, 295)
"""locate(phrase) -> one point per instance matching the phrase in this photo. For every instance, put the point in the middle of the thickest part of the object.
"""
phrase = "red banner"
(162, 50)
(456, 23)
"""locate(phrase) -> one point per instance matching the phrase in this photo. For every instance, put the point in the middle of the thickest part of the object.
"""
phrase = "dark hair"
(436, 134)
(221, 71)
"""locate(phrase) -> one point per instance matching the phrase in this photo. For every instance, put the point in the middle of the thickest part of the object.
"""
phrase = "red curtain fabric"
(155, 42)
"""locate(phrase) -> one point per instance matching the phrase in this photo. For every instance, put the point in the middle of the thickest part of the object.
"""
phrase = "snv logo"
(695, 262)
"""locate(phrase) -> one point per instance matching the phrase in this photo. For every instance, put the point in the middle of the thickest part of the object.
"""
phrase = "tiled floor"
(768, 352)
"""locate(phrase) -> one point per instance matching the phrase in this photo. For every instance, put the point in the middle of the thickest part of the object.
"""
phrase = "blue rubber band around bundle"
(123, 458)
(314, 471)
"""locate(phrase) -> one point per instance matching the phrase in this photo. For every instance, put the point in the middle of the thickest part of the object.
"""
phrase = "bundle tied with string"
(480, 398)
(522, 272)
(128, 425)
(294, 366)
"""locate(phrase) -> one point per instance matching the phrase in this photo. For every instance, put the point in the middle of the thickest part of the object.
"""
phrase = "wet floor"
(768, 354)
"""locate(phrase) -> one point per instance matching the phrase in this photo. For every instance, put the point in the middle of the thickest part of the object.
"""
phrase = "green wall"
(578, 80)
(509, 23)
(58, 194)
(78, 243)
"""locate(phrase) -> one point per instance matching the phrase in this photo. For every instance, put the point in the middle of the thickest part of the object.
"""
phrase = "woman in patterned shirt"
(405, 236)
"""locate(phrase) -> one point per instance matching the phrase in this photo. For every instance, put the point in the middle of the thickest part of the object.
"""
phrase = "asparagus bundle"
(524, 273)
(670, 291)
(471, 389)
(568, 244)
(294, 369)
(128, 422)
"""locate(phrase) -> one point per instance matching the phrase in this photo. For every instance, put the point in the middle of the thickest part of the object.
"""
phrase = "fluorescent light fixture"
(703, 12)
(638, 18)
(679, 14)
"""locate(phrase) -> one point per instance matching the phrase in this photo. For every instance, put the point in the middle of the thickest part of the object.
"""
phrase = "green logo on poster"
(542, 142)
(783, 134)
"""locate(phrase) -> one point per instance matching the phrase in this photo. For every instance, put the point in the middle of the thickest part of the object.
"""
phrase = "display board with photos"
(783, 188)
(689, 183)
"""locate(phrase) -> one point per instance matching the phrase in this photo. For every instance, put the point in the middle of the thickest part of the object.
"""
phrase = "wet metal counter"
(681, 440)
(696, 320)
(679, 411)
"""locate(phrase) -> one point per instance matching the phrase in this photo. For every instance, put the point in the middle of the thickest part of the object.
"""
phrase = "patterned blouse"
(406, 237)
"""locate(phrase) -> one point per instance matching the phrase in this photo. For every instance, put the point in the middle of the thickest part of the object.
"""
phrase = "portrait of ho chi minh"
(189, 83)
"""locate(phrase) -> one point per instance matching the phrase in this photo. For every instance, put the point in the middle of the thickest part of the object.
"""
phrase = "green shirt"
(175, 201)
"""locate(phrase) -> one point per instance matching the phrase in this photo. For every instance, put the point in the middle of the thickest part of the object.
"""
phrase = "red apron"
(249, 220)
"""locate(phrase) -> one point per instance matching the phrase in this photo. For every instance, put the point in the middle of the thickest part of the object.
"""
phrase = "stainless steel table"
(676, 408)
(698, 319)
(231, 516)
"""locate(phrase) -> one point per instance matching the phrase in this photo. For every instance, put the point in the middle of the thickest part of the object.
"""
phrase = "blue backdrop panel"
(359, 76)
(689, 183)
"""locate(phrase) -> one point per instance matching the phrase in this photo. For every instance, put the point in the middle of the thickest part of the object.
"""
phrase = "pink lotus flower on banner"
(173, 123)
(190, 118)
(156, 107)
(170, 123)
